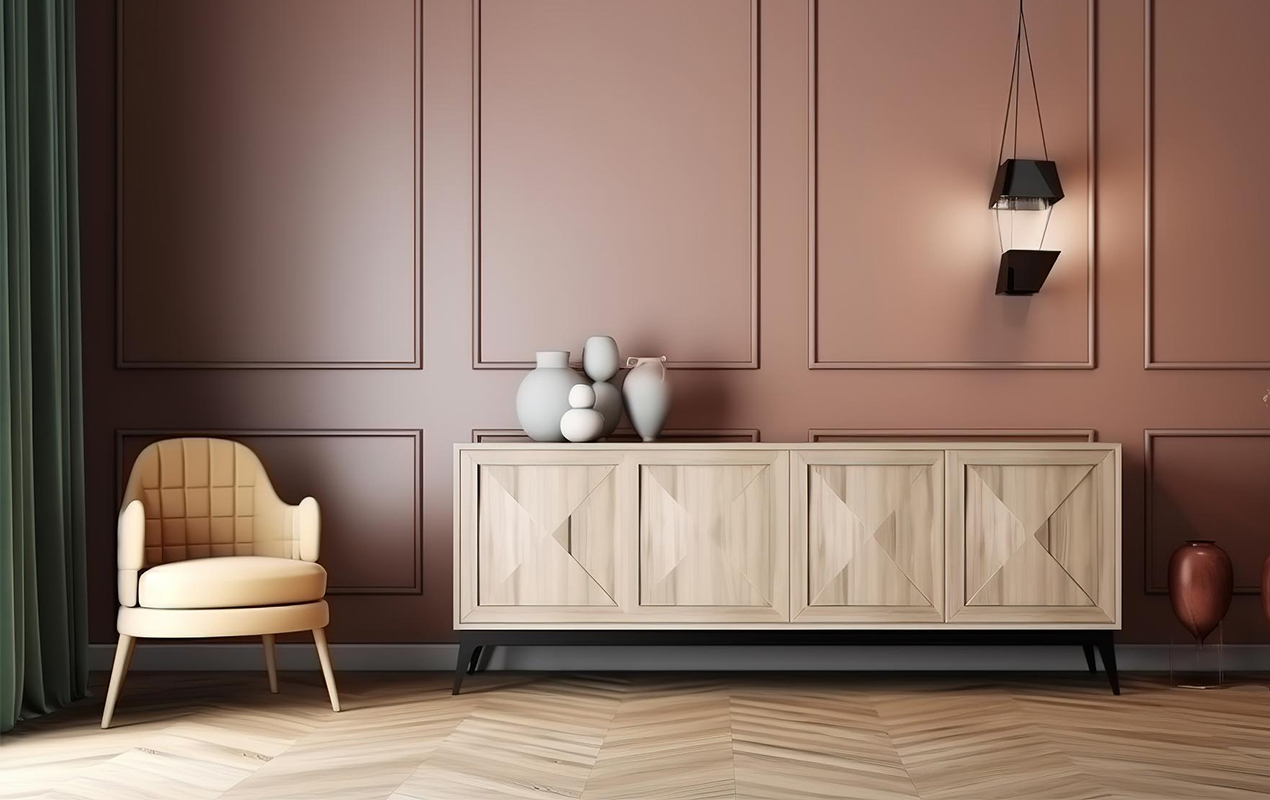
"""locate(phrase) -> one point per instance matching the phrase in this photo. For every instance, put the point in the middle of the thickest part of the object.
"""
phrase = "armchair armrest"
(130, 555)
(306, 523)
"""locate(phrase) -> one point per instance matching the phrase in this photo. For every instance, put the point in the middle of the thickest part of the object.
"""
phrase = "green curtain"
(43, 617)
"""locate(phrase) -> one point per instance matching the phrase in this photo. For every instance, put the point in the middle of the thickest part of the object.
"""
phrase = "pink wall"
(342, 240)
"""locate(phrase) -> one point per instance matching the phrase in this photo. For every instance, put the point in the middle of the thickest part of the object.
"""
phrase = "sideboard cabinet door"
(1033, 536)
(714, 536)
(543, 537)
(868, 536)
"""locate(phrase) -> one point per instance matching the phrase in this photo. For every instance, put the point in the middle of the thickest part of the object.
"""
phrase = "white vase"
(600, 361)
(543, 396)
(582, 423)
(647, 394)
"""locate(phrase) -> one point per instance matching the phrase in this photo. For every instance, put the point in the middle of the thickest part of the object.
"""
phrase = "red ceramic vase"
(1201, 583)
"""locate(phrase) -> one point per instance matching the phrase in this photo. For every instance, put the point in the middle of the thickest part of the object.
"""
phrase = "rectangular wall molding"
(126, 305)
(414, 543)
(1152, 560)
(815, 359)
(952, 434)
(1149, 14)
(479, 359)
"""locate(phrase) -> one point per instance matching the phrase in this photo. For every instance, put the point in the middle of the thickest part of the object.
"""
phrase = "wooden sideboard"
(923, 536)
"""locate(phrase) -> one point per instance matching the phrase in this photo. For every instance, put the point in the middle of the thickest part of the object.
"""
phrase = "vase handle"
(635, 361)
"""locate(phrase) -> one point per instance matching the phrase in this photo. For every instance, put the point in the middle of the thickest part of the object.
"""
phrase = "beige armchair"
(207, 549)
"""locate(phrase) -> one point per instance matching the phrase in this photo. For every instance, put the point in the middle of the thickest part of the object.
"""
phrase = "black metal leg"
(483, 657)
(1089, 658)
(1107, 648)
(466, 648)
(474, 662)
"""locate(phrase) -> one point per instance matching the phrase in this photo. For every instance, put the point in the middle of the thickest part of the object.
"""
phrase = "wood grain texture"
(545, 535)
(706, 535)
(1033, 535)
(867, 535)
(539, 537)
(699, 535)
(661, 736)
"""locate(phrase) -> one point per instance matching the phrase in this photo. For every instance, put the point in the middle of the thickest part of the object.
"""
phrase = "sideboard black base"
(475, 646)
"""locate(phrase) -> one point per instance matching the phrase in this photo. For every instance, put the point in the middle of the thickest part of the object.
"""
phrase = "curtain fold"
(43, 616)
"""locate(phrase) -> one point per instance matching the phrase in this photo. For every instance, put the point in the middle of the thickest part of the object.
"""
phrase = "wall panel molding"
(1149, 316)
(122, 360)
(414, 435)
(1148, 533)
(814, 360)
(935, 434)
(627, 434)
(752, 362)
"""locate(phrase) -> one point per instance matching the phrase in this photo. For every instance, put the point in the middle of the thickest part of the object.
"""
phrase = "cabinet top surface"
(869, 445)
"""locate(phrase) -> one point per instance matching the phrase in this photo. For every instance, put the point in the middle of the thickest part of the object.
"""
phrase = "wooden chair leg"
(271, 662)
(324, 655)
(123, 660)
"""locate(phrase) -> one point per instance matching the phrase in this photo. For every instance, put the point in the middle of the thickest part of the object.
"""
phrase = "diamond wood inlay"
(545, 535)
(1033, 541)
(705, 535)
(864, 519)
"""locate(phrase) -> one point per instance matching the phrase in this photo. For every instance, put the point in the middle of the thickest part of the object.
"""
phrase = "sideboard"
(913, 542)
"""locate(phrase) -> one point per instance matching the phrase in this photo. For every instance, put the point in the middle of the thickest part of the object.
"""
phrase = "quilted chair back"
(208, 497)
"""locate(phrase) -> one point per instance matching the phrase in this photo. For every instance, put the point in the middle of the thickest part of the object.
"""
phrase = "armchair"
(206, 548)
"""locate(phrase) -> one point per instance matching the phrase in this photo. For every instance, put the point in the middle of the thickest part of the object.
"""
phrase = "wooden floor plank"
(674, 736)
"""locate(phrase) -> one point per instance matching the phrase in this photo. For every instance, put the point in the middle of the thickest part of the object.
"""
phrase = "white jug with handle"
(647, 394)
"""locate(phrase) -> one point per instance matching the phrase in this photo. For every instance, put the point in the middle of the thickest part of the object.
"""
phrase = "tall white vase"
(543, 396)
(601, 361)
(647, 394)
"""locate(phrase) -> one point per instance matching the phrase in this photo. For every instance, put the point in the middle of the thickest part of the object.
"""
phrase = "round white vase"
(601, 361)
(543, 396)
(581, 423)
(647, 394)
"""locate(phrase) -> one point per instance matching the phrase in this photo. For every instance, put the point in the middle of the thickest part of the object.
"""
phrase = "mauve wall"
(337, 229)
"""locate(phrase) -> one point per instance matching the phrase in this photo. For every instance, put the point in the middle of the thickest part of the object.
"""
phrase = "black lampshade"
(1025, 184)
(1024, 271)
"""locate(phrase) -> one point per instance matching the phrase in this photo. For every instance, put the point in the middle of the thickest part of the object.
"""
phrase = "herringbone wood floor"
(182, 735)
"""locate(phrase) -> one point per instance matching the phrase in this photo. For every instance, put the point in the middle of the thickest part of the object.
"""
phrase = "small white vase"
(581, 423)
(647, 394)
(543, 396)
(600, 361)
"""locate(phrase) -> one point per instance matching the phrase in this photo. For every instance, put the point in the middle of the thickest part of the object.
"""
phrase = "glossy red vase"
(1201, 584)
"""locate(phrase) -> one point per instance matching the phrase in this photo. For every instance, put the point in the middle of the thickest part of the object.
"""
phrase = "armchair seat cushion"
(231, 582)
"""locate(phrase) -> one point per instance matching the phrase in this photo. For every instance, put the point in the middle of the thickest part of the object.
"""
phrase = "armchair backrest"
(208, 497)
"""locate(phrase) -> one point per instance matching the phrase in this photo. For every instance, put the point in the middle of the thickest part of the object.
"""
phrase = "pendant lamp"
(1023, 186)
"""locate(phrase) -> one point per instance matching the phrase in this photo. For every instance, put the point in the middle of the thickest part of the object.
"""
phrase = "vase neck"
(552, 359)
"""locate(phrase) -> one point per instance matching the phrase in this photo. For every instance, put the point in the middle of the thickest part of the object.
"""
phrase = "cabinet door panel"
(545, 535)
(713, 536)
(1034, 536)
(542, 537)
(868, 536)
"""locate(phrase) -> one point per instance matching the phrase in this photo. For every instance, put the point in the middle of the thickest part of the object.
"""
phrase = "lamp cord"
(1021, 44)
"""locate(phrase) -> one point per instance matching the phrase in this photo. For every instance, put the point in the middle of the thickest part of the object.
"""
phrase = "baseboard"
(428, 657)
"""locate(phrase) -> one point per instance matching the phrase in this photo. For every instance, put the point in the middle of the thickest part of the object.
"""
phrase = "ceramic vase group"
(554, 403)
